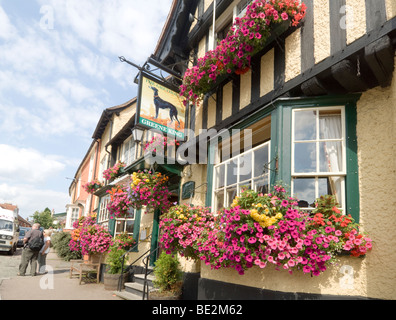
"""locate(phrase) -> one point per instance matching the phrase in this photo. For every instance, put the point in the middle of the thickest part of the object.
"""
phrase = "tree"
(44, 218)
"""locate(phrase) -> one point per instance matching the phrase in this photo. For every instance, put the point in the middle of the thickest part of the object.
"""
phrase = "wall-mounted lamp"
(137, 134)
(191, 18)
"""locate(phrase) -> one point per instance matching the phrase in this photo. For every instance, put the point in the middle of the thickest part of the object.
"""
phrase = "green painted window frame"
(281, 142)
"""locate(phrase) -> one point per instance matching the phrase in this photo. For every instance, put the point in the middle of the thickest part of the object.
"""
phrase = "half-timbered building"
(319, 99)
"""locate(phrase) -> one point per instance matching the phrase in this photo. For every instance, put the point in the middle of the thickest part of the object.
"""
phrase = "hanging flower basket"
(93, 186)
(149, 189)
(120, 203)
(246, 37)
(114, 172)
(160, 146)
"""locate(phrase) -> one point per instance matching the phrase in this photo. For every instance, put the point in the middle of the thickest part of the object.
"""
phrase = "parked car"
(9, 230)
(22, 232)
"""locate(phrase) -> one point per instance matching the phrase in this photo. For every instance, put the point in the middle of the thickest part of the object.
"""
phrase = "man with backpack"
(33, 241)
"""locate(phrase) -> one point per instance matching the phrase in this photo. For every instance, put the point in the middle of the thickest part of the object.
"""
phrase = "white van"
(9, 231)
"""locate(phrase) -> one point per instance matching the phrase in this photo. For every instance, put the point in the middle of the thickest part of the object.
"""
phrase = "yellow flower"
(259, 205)
(279, 215)
(266, 211)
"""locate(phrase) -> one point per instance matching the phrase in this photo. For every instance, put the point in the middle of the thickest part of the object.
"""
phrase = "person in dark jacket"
(29, 255)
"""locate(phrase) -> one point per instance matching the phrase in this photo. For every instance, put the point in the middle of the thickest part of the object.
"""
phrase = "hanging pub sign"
(160, 107)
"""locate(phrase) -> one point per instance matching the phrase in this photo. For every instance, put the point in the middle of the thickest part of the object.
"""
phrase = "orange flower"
(335, 209)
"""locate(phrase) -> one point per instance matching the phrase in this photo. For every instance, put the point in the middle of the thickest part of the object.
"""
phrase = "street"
(9, 264)
(56, 285)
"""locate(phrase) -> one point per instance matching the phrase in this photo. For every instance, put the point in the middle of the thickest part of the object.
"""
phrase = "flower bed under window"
(246, 37)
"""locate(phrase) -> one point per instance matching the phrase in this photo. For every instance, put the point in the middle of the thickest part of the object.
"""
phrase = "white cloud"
(29, 198)
(55, 83)
(7, 30)
(21, 164)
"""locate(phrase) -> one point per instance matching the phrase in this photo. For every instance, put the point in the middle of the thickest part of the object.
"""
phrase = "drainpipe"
(95, 167)
(214, 23)
(110, 136)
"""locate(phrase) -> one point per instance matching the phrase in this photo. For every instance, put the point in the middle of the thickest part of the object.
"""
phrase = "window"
(318, 154)
(74, 215)
(128, 152)
(241, 8)
(248, 170)
(103, 212)
(126, 224)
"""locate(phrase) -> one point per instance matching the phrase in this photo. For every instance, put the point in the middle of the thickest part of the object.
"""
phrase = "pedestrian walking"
(42, 257)
(33, 241)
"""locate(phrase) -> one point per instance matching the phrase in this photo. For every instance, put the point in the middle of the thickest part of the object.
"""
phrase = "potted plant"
(168, 278)
(122, 243)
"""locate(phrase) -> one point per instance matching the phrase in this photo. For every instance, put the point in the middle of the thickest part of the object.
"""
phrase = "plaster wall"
(376, 132)
(246, 93)
(201, 48)
(355, 19)
(212, 111)
(207, 4)
(293, 55)
(390, 9)
(227, 101)
(267, 72)
(321, 30)
(123, 118)
(197, 173)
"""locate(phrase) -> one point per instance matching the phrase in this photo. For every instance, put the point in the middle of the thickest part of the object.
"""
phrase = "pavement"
(55, 285)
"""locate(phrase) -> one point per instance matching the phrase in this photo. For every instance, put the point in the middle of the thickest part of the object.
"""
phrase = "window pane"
(260, 160)
(245, 185)
(231, 194)
(220, 176)
(129, 226)
(261, 184)
(330, 124)
(324, 186)
(332, 186)
(305, 125)
(245, 167)
(305, 157)
(331, 157)
(120, 226)
(304, 189)
(131, 213)
(232, 170)
(219, 200)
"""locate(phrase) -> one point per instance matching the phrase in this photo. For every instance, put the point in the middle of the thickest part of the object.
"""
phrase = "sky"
(59, 69)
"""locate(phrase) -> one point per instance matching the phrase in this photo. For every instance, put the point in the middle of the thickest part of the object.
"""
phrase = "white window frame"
(239, 183)
(125, 219)
(128, 153)
(318, 174)
(74, 215)
(239, 11)
(103, 214)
